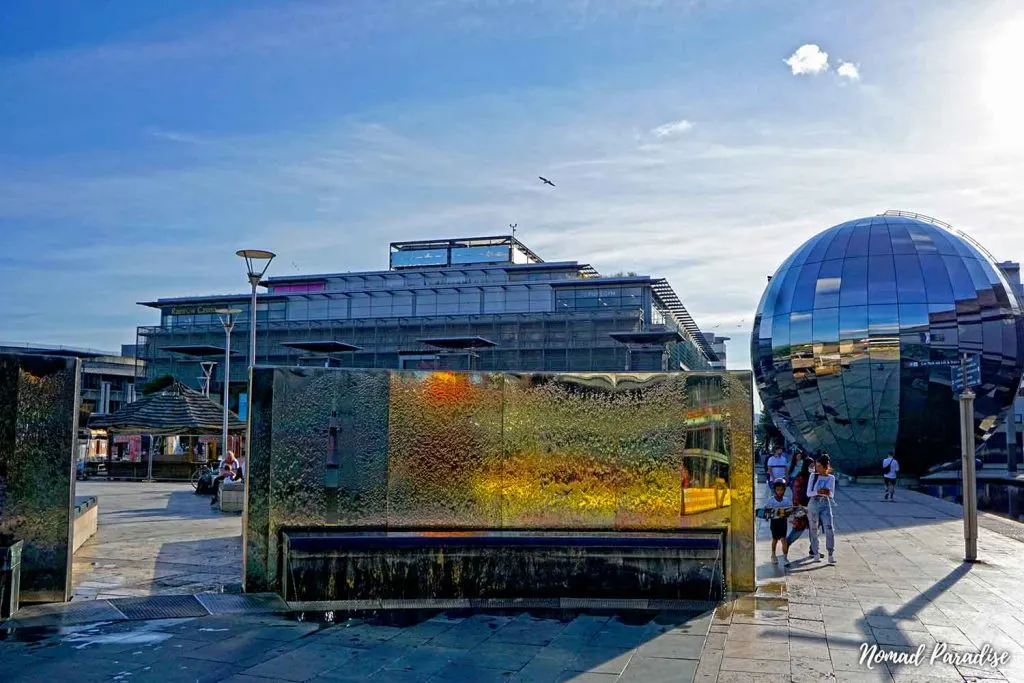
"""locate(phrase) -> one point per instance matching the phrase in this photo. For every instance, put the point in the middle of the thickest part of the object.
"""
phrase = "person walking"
(890, 471)
(800, 499)
(821, 491)
(778, 468)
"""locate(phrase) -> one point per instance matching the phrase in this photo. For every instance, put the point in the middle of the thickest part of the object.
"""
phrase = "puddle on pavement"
(753, 606)
(29, 634)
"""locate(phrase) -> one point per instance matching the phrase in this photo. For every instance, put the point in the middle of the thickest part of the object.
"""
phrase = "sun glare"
(1002, 83)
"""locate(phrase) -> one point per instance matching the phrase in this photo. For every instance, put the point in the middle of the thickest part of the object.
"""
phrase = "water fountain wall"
(38, 419)
(425, 453)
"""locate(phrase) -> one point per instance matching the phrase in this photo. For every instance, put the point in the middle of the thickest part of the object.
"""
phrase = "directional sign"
(972, 367)
(933, 363)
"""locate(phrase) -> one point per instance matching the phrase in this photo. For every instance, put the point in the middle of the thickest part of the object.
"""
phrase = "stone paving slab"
(899, 583)
(527, 647)
(155, 539)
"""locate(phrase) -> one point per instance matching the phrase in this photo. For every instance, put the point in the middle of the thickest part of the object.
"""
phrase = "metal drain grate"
(254, 603)
(64, 614)
(160, 607)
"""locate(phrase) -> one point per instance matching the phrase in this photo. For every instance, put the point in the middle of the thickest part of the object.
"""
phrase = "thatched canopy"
(174, 410)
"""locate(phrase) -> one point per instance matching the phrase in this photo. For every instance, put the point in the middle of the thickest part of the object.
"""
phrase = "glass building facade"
(852, 329)
(518, 312)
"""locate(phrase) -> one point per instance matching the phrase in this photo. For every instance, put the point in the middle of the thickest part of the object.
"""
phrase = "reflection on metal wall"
(37, 435)
(846, 322)
(491, 451)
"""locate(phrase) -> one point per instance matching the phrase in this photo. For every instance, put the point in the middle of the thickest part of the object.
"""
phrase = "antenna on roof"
(513, 226)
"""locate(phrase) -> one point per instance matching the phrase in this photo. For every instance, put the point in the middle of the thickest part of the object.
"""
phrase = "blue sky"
(143, 143)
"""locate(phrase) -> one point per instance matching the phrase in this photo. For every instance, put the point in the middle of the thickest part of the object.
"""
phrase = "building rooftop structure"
(478, 303)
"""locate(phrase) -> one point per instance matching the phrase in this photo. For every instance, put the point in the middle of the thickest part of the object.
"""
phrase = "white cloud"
(808, 60)
(672, 129)
(848, 70)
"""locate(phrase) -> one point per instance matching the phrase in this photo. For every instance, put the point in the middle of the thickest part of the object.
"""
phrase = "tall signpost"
(964, 376)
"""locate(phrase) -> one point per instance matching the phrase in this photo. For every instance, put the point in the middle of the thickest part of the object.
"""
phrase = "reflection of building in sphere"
(846, 321)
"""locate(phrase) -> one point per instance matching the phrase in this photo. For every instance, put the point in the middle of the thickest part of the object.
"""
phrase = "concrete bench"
(349, 565)
(232, 496)
(86, 516)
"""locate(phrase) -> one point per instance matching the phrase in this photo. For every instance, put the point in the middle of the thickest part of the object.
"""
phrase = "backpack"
(887, 468)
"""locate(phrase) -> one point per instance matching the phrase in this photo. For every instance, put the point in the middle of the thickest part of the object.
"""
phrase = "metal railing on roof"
(941, 224)
(671, 301)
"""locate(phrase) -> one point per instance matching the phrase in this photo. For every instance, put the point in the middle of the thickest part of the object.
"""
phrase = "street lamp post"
(969, 479)
(256, 261)
(227, 320)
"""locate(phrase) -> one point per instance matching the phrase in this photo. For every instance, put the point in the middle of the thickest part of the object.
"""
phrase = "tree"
(157, 384)
(769, 436)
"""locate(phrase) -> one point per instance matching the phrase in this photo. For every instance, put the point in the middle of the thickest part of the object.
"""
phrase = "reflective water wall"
(498, 452)
(38, 417)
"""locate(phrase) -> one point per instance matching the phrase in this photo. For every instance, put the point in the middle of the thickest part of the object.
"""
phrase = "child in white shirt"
(821, 489)
(777, 508)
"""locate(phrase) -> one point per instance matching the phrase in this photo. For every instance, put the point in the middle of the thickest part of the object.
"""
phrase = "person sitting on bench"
(229, 471)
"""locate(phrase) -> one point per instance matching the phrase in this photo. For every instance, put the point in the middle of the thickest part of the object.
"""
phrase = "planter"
(10, 578)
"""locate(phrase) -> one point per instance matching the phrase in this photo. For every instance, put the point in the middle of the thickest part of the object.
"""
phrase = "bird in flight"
(546, 181)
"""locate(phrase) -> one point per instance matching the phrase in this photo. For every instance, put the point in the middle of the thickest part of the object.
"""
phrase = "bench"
(349, 565)
(232, 496)
(86, 515)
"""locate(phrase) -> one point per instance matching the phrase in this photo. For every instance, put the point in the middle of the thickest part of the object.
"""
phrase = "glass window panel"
(913, 317)
(878, 240)
(825, 325)
(992, 337)
(780, 334)
(883, 319)
(837, 249)
(826, 291)
(803, 295)
(764, 326)
(963, 287)
(910, 279)
(586, 294)
(337, 309)
(978, 276)
(858, 241)
(900, 237)
(970, 334)
(402, 305)
(854, 289)
(944, 242)
(817, 252)
(881, 280)
(853, 322)
(298, 309)
(936, 279)
(785, 300)
(771, 294)
(805, 249)
(921, 236)
(800, 327)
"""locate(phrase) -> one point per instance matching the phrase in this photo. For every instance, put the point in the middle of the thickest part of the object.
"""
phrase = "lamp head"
(256, 260)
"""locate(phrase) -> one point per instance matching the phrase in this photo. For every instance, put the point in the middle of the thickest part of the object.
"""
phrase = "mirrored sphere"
(848, 331)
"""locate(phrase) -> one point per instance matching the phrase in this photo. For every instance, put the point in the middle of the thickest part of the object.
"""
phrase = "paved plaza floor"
(156, 539)
(899, 584)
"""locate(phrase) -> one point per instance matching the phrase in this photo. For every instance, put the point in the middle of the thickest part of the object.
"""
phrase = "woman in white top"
(821, 490)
